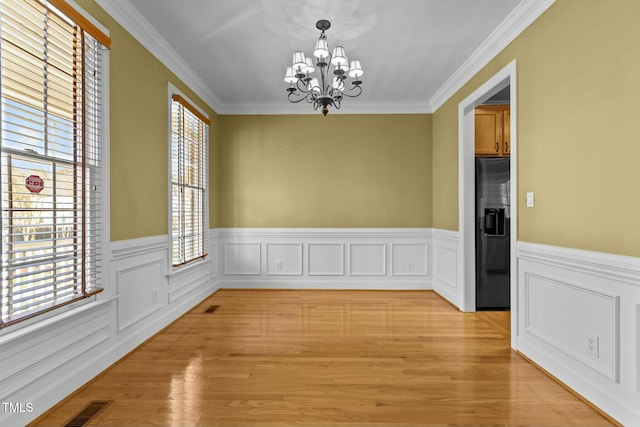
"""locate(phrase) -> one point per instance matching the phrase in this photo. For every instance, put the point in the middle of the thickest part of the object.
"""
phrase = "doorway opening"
(493, 202)
(505, 78)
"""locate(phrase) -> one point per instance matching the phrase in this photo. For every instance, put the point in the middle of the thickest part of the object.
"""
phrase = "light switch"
(530, 199)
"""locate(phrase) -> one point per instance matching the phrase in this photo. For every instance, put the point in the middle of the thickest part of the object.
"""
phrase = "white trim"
(620, 267)
(123, 249)
(466, 188)
(133, 21)
(518, 20)
(185, 269)
(448, 236)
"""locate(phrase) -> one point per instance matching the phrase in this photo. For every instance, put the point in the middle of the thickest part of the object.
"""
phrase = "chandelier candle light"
(328, 90)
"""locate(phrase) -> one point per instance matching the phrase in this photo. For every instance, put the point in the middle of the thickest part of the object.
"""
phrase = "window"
(50, 170)
(189, 139)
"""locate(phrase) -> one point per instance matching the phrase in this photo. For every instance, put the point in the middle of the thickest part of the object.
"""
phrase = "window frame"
(101, 292)
(172, 92)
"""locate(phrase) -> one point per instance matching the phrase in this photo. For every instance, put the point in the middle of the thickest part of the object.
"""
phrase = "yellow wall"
(139, 151)
(334, 171)
(578, 79)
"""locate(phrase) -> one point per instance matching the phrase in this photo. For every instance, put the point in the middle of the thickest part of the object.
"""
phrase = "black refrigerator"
(493, 233)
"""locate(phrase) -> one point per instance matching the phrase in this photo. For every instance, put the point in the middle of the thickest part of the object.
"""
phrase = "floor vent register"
(83, 417)
(211, 309)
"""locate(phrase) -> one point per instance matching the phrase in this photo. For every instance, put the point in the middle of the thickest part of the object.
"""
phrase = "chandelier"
(330, 87)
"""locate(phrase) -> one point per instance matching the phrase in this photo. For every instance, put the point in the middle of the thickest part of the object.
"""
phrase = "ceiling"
(409, 49)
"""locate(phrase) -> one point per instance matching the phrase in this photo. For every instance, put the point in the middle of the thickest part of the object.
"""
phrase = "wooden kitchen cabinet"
(493, 130)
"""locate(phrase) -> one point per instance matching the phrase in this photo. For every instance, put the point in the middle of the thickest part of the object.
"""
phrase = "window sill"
(188, 268)
(30, 326)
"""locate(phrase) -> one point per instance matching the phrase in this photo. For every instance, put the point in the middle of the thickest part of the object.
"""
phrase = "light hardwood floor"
(283, 357)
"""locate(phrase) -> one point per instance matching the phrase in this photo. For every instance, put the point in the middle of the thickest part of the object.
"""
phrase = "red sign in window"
(34, 183)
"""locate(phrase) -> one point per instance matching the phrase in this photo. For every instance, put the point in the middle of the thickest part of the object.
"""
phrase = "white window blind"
(189, 137)
(50, 169)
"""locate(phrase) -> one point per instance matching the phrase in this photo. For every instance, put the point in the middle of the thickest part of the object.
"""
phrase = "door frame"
(466, 190)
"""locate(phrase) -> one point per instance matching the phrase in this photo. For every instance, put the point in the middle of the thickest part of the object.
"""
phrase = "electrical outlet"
(154, 296)
(592, 345)
(279, 265)
(409, 265)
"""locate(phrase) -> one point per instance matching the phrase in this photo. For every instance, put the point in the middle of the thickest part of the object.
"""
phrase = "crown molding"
(360, 107)
(518, 20)
(136, 24)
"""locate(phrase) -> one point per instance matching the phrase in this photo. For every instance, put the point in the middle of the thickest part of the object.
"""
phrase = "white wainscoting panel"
(567, 315)
(578, 318)
(139, 267)
(284, 259)
(326, 259)
(242, 259)
(367, 259)
(409, 259)
(138, 288)
(445, 266)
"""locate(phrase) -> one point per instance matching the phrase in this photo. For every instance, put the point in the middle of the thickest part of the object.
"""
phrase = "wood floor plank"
(275, 357)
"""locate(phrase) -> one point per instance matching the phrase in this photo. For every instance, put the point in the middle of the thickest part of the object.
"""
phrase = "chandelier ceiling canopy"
(329, 85)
